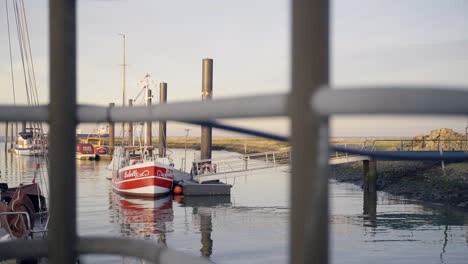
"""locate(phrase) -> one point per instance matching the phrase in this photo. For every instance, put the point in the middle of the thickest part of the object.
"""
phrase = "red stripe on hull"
(145, 182)
(132, 194)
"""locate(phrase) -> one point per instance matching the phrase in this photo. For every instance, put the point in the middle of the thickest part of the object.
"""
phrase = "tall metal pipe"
(111, 133)
(62, 169)
(130, 126)
(162, 123)
(207, 94)
(309, 181)
(149, 124)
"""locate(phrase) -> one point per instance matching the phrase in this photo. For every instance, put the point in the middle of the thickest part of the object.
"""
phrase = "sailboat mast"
(124, 66)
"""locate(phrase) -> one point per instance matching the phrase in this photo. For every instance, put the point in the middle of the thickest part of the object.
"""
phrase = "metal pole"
(309, 181)
(162, 123)
(6, 137)
(130, 127)
(12, 135)
(111, 133)
(207, 93)
(124, 65)
(62, 231)
(149, 123)
(187, 130)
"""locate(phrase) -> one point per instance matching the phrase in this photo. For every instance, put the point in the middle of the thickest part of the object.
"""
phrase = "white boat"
(30, 142)
(137, 172)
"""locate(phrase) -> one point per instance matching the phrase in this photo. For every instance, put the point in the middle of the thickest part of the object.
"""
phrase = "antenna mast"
(124, 66)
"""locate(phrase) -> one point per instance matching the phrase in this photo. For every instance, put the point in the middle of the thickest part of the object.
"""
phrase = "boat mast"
(146, 104)
(124, 66)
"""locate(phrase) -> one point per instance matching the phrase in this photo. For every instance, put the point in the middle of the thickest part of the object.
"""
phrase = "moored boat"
(30, 142)
(86, 152)
(136, 172)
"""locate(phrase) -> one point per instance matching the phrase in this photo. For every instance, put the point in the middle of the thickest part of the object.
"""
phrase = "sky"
(374, 42)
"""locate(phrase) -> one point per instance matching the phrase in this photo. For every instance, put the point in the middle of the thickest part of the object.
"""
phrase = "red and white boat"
(136, 172)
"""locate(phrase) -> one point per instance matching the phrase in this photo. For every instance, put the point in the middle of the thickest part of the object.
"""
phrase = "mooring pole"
(130, 126)
(12, 135)
(62, 234)
(370, 190)
(6, 136)
(207, 93)
(111, 133)
(370, 175)
(162, 123)
(148, 142)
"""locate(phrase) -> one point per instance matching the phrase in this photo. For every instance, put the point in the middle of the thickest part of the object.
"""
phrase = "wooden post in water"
(162, 123)
(370, 175)
(149, 123)
(370, 191)
(111, 133)
(6, 136)
(130, 126)
(207, 94)
(13, 134)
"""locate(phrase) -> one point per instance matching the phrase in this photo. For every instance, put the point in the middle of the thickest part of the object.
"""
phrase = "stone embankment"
(438, 139)
(425, 181)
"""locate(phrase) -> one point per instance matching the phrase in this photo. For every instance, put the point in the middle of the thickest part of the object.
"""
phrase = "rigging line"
(26, 53)
(11, 54)
(18, 24)
(30, 51)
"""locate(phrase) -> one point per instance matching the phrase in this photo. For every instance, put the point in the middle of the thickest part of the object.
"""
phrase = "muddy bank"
(419, 180)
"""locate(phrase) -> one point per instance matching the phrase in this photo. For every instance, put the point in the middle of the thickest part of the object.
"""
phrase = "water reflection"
(202, 208)
(142, 218)
(370, 208)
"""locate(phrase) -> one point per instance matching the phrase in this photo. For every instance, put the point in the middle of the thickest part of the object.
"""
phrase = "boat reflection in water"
(142, 218)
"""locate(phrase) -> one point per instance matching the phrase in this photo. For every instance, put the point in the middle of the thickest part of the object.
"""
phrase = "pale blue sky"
(373, 42)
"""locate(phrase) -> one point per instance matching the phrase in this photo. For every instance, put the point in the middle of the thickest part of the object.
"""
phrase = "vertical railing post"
(309, 181)
(62, 227)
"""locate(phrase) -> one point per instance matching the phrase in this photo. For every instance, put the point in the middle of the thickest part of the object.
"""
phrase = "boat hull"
(29, 152)
(145, 179)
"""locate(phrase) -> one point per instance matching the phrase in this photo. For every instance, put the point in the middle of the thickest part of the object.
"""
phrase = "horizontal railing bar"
(384, 100)
(23, 248)
(241, 107)
(422, 100)
(100, 245)
(135, 248)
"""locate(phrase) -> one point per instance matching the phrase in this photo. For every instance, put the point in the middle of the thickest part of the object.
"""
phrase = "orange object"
(178, 198)
(178, 190)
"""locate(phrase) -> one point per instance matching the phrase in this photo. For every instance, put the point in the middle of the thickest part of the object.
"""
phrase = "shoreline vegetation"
(425, 181)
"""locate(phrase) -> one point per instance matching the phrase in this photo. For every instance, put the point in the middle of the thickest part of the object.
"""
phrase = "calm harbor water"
(251, 226)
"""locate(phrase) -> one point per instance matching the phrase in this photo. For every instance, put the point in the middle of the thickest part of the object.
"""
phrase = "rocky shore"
(425, 181)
